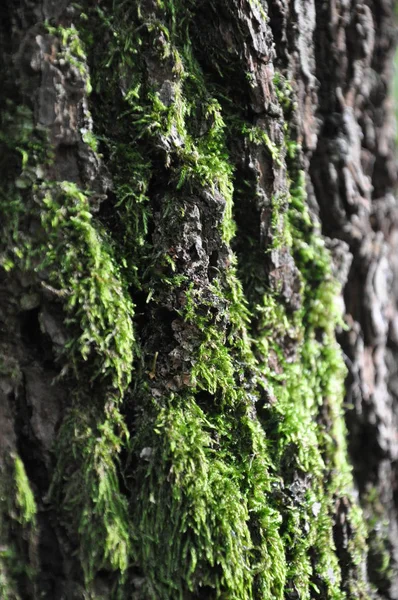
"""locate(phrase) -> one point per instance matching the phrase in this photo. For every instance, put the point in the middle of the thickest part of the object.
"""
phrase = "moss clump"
(71, 50)
(49, 231)
(79, 260)
(86, 487)
(188, 479)
(24, 498)
(200, 490)
(73, 259)
(379, 558)
(17, 530)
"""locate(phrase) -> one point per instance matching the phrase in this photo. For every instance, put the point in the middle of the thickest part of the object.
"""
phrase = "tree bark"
(199, 284)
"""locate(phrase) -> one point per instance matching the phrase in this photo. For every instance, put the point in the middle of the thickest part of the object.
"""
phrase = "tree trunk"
(199, 284)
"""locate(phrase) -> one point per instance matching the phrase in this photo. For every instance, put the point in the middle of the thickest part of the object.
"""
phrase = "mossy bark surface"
(198, 316)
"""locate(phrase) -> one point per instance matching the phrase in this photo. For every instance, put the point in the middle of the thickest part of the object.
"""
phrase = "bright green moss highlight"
(207, 520)
(86, 487)
(73, 258)
(213, 369)
(71, 50)
(17, 530)
(90, 139)
(24, 498)
(202, 160)
(79, 259)
(200, 495)
(258, 136)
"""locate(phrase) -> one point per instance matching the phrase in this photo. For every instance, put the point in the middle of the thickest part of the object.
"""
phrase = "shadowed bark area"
(198, 315)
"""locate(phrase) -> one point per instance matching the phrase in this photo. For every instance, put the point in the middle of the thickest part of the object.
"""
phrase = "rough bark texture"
(196, 198)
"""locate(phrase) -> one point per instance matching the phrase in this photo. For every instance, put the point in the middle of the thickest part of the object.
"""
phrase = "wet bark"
(197, 200)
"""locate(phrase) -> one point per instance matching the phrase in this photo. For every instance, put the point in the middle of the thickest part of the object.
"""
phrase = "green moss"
(194, 467)
(303, 385)
(24, 498)
(86, 487)
(231, 484)
(379, 558)
(17, 511)
(200, 502)
(90, 139)
(313, 381)
(260, 137)
(71, 50)
(70, 254)
(186, 121)
(17, 530)
(213, 368)
(9, 558)
(183, 447)
(79, 260)
(285, 94)
(207, 522)
(73, 259)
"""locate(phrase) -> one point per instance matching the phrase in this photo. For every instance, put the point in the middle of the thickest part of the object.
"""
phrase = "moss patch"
(17, 531)
(86, 487)
(219, 476)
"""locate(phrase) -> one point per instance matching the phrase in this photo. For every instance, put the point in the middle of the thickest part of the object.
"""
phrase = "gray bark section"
(353, 172)
(338, 54)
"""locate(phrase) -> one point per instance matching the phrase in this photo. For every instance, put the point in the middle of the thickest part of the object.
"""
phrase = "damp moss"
(213, 368)
(295, 521)
(86, 487)
(24, 498)
(231, 484)
(71, 50)
(73, 260)
(207, 523)
(212, 487)
(79, 259)
(71, 257)
(17, 530)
